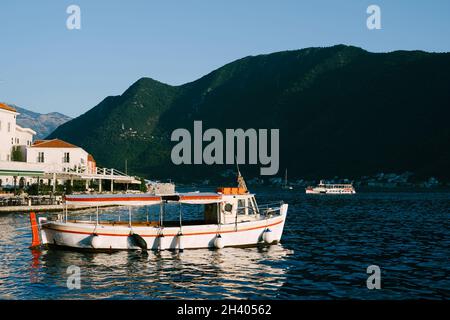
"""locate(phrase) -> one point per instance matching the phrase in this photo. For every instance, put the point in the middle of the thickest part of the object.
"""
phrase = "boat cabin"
(227, 205)
(237, 206)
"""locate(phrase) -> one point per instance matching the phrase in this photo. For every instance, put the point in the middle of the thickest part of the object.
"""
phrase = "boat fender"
(268, 236)
(138, 241)
(218, 242)
(95, 242)
(180, 241)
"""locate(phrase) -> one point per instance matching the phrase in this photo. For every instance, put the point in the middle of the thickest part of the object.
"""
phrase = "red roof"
(6, 107)
(55, 143)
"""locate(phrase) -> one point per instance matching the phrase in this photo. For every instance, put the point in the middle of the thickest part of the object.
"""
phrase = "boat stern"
(41, 222)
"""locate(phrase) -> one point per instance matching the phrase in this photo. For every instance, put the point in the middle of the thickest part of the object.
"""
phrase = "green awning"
(21, 173)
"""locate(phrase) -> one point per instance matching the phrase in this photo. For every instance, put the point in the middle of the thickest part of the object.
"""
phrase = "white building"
(22, 161)
(12, 136)
(14, 141)
(60, 156)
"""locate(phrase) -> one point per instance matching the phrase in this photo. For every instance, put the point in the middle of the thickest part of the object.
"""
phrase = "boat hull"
(312, 191)
(108, 237)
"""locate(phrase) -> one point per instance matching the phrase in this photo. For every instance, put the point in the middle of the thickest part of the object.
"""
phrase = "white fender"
(96, 242)
(160, 242)
(268, 236)
(180, 241)
(218, 242)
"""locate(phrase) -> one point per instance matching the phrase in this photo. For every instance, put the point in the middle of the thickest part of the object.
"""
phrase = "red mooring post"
(35, 242)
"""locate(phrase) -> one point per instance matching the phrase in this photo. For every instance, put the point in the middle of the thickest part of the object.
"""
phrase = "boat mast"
(240, 178)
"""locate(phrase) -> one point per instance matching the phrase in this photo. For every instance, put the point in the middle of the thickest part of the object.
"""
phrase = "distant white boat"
(331, 188)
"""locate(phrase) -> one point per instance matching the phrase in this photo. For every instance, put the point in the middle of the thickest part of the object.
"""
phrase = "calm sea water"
(328, 243)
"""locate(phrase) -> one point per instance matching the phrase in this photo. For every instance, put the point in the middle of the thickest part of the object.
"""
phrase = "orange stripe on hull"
(166, 235)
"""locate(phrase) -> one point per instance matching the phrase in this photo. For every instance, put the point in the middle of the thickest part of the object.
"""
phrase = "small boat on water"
(286, 185)
(231, 217)
(330, 188)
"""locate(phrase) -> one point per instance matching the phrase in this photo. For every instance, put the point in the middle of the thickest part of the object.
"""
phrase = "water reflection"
(224, 273)
(326, 247)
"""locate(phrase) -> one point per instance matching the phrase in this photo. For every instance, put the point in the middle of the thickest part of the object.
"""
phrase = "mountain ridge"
(341, 101)
(42, 123)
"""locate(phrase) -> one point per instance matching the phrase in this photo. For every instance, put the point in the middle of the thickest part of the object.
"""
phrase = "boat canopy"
(141, 199)
(112, 199)
(200, 198)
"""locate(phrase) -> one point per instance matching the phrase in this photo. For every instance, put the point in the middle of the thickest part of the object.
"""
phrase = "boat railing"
(99, 215)
(271, 204)
(270, 208)
(274, 206)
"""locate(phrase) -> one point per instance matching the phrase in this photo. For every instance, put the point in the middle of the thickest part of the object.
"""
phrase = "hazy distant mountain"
(340, 110)
(43, 124)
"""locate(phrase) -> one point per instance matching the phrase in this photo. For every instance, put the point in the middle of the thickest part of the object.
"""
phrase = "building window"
(40, 157)
(9, 126)
(66, 158)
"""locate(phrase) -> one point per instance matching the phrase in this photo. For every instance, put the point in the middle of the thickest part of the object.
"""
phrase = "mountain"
(43, 124)
(341, 111)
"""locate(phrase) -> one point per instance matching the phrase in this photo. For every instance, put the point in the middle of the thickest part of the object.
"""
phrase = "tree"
(16, 154)
(69, 188)
(143, 186)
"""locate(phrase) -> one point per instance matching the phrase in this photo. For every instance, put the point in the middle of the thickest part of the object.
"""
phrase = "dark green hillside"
(340, 110)
(120, 127)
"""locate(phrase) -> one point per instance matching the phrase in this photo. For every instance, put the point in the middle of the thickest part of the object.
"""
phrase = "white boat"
(231, 218)
(286, 186)
(330, 188)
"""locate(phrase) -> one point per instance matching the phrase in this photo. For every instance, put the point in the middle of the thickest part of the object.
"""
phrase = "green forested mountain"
(340, 110)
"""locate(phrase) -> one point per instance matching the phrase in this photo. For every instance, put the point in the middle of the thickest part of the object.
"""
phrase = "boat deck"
(144, 223)
(175, 223)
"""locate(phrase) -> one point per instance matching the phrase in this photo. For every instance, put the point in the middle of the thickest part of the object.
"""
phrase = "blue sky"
(46, 67)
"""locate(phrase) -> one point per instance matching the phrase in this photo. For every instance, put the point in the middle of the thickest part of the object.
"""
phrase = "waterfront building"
(14, 141)
(61, 156)
(13, 138)
(24, 161)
